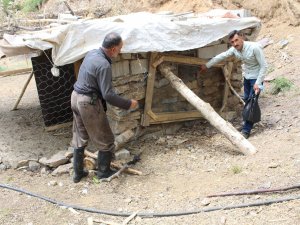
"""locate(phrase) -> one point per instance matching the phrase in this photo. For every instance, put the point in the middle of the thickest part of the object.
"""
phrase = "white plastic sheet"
(141, 32)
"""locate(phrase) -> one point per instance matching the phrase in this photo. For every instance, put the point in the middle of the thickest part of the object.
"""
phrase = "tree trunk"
(208, 112)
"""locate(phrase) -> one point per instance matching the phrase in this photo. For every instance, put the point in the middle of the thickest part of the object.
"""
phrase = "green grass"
(236, 169)
(280, 84)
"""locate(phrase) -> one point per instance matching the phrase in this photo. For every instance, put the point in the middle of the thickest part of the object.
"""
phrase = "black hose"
(148, 214)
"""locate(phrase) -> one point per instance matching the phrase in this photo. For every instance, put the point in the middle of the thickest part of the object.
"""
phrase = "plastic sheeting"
(141, 32)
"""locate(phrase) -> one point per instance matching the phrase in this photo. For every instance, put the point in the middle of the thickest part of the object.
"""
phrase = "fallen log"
(208, 112)
(113, 164)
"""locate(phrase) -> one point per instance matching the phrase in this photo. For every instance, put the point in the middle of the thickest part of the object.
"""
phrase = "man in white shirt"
(254, 67)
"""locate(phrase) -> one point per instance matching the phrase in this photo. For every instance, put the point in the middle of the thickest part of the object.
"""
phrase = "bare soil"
(176, 178)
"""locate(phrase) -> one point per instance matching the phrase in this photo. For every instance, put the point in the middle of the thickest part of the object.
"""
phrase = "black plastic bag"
(251, 112)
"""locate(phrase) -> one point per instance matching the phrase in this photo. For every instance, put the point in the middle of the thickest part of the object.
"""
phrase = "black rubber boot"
(79, 172)
(104, 160)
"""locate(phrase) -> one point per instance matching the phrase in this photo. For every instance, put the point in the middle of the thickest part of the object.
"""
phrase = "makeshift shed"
(183, 41)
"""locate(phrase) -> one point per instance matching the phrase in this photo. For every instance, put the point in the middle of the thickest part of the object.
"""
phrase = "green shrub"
(31, 5)
(236, 169)
(280, 84)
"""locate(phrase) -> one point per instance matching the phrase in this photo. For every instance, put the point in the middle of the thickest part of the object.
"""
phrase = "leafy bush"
(31, 5)
(280, 84)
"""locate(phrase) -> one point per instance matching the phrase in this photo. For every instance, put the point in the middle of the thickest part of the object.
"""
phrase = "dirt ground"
(176, 178)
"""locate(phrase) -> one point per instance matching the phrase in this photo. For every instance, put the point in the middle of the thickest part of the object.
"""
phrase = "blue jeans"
(248, 91)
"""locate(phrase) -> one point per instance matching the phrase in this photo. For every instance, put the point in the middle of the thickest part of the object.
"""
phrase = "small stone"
(45, 170)
(128, 200)
(84, 191)
(122, 154)
(52, 183)
(22, 163)
(60, 184)
(205, 202)
(3, 167)
(273, 165)
(63, 169)
(34, 166)
(0, 160)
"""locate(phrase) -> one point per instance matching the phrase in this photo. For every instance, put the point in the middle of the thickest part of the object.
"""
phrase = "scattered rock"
(52, 183)
(69, 153)
(3, 167)
(273, 165)
(34, 166)
(63, 169)
(122, 154)
(22, 163)
(56, 160)
(45, 170)
(205, 202)
(283, 43)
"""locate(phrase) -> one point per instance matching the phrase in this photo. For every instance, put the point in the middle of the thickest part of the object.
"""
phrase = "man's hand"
(134, 104)
(256, 89)
(203, 68)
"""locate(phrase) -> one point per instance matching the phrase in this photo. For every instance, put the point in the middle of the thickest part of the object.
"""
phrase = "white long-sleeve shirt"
(254, 65)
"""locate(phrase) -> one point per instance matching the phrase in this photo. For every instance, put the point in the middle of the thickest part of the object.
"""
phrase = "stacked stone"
(129, 80)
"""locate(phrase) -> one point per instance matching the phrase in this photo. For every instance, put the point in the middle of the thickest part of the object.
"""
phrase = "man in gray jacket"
(254, 67)
(92, 90)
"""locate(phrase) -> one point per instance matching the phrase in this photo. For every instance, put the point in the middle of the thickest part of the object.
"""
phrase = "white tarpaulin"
(141, 32)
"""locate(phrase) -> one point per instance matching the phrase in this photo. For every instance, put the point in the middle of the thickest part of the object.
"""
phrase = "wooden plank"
(188, 60)
(167, 117)
(227, 69)
(149, 90)
(14, 72)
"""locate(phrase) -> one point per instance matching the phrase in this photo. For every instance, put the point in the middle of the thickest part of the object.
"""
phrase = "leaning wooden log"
(113, 164)
(208, 112)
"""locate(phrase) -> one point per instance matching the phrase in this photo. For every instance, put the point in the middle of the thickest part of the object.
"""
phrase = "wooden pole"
(208, 112)
(23, 91)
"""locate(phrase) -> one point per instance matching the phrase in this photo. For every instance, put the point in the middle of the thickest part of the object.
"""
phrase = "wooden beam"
(167, 117)
(187, 60)
(15, 72)
(227, 69)
(149, 90)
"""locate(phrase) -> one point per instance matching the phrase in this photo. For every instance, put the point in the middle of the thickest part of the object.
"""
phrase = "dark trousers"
(248, 91)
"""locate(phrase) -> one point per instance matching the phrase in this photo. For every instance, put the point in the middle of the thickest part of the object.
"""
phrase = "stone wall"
(130, 79)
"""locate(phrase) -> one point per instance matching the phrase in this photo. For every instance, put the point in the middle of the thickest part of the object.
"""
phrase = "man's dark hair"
(232, 33)
(111, 40)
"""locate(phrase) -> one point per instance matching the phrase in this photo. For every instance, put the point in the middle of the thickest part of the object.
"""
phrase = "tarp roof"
(141, 32)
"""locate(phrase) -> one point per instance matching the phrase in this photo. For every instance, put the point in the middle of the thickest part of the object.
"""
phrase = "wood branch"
(69, 8)
(128, 219)
(89, 163)
(23, 91)
(208, 112)
(113, 164)
(258, 191)
(115, 175)
(15, 72)
(105, 222)
(123, 138)
(234, 92)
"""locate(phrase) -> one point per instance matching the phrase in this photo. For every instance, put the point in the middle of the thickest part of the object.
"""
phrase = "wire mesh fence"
(54, 91)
